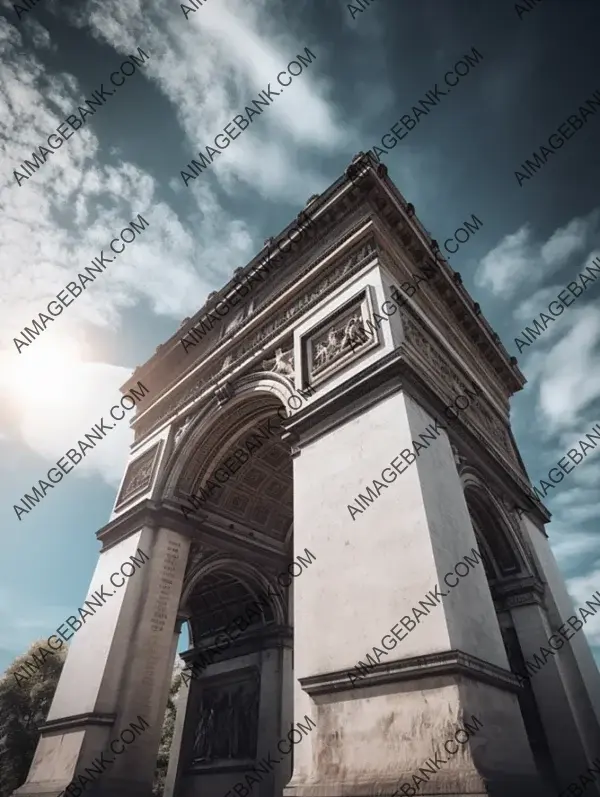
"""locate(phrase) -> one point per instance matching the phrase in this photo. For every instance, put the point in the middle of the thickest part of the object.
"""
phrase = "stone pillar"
(117, 671)
(370, 571)
(569, 681)
(555, 703)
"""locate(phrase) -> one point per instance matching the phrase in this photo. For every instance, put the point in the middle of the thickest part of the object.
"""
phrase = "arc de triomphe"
(279, 408)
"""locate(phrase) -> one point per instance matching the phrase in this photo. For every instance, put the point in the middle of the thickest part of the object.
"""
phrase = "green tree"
(162, 762)
(24, 704)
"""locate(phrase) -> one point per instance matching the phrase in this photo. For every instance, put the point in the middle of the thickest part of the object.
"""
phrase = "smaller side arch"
(507, 554)
(251, 579)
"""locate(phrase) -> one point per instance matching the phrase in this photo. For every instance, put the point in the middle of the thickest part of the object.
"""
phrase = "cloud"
(582, 588)
(211, 66)
(502, 269)
(567, 373)
(519, 261)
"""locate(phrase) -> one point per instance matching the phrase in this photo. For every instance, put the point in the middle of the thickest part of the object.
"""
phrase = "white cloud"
(568, 373)
(569, 240)
(518, 260)
(210, 66)
(582, 589)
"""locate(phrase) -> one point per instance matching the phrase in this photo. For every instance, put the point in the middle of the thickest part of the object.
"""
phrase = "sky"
(371, 66)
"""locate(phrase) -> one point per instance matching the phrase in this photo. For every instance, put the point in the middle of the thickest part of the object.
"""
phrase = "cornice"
(146, 514)
(326, 216)
(78, 721)
(264, 328)
(449, 664)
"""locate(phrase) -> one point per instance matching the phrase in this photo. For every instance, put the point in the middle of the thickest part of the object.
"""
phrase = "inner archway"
(236, 698)
(507, 568)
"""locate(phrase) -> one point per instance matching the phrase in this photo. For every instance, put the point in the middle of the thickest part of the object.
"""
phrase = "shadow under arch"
(509, 565)
(254, 398)
(251, 580)
(501, 550)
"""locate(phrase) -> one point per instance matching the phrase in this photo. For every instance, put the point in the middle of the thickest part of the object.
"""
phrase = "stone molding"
(521, 592)
(253, 343)
(139, 475)
(266, 637)
(450, 664)
(146, 514)
(78, 721)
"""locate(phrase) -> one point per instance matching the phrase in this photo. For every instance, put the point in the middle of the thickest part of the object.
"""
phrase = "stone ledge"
(449, 663)
(78, 721)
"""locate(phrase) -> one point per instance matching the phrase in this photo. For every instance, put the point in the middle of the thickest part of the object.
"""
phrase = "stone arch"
(252, 581)
(253, 398)
(503, 553)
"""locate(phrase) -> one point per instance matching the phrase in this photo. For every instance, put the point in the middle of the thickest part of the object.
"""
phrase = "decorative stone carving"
(226, 363)
(352, 263)
(227, 723)
(182, 430)
(282, 363)
(139, 475)
(453, 384)
(223, 393)
(337, 340)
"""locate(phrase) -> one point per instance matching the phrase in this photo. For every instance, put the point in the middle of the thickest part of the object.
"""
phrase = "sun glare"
(45, 373)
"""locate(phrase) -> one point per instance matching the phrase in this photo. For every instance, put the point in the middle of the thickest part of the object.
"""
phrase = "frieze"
(352, 263)
(453, 384)
(139, 475)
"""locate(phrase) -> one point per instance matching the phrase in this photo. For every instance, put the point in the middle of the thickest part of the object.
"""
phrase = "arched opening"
(236, 697)
(504, 565)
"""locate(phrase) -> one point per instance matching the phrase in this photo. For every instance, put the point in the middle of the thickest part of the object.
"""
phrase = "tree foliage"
(166, 738)
(24, 705)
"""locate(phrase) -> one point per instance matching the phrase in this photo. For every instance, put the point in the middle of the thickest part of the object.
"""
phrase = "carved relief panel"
(139, 476)
(339, 339)
(227, 721)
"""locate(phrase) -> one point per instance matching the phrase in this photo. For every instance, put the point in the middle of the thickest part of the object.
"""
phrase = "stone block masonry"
(55, 308)
(430, 433)
(431, 600)
(100, 764)
(98, 432)
(240, 121)
(556, 641)
(97, 600)
(76, 122)
(433, 765)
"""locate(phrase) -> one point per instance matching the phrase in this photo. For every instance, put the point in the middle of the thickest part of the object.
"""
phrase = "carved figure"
(354, 334)
(204, 739)
(282, 363)
(320, 355)
(182, 430)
